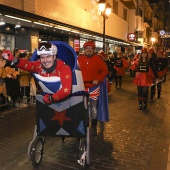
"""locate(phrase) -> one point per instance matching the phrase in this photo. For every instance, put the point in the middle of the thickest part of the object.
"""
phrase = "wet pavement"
(132, 140)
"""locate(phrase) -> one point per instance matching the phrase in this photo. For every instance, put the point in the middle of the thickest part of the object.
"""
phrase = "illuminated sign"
(131, 37)
(164, 34)
(76, 45)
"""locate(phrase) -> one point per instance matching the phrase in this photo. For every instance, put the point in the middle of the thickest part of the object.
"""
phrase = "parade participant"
(145, 72)
(165, 56)
(161, 70)
(153, 58)
(131, 62)
(120, 65)
(94, 71)
(47, 66)
(110, 69)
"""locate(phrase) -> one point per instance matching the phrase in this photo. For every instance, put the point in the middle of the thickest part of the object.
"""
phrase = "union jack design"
(94, 92)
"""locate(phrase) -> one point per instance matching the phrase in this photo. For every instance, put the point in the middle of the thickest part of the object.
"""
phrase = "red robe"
(93, 68)
(62, 70)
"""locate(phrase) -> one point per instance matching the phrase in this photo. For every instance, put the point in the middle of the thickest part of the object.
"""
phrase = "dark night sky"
(153, 1)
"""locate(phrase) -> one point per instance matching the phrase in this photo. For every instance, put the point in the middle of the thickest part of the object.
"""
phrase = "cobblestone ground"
(131, 140)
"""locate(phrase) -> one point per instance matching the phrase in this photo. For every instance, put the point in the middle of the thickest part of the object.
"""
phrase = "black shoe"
(140, 107)
(94, 131)
(158, 97)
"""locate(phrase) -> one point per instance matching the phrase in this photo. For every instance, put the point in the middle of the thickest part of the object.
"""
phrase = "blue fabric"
(102, 108)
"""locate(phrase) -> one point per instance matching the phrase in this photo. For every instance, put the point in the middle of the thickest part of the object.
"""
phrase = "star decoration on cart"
(60, 117)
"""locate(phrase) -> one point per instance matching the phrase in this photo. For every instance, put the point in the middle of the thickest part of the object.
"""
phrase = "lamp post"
(153, 40)
(105, 10)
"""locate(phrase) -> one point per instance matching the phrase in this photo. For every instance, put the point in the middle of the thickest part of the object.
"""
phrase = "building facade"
(77, 21)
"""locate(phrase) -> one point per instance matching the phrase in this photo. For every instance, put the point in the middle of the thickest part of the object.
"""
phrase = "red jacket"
(62, 70)
(93, 68)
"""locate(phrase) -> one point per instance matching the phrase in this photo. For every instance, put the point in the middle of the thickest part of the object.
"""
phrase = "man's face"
(89, 50)
(47, 60)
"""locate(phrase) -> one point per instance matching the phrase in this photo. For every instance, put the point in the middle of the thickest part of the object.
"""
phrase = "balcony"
(131, 4)
(147, 22)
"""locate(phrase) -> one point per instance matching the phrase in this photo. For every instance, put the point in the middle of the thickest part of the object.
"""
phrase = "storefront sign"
(131, 37)
(76, 45)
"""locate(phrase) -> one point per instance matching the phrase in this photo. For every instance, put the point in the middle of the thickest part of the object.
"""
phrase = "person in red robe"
(94, 71)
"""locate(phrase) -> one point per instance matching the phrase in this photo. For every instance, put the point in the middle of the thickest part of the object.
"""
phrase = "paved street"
(131, 140)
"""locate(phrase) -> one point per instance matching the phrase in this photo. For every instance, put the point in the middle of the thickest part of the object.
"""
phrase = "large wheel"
(82, 153)
(88, 147)
(35, 151)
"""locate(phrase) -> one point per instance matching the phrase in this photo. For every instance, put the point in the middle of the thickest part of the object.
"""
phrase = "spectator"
(2, 80)
(12, 80)
(24, 80)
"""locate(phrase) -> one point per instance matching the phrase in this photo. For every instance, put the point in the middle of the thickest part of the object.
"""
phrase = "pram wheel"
(35, 151)
(83, 153)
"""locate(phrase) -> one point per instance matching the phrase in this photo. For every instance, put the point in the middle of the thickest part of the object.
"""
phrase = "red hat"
(89, 43)
(151, 50)
(101, 52)
(160, 52)
(144, 50)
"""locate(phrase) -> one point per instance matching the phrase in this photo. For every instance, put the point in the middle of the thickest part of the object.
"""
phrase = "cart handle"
(80, 93)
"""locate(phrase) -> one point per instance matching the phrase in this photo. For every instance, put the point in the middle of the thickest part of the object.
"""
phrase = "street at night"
(132, 140)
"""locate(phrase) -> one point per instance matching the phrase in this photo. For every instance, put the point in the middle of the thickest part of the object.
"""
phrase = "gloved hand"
(47, 99)
(8, 55)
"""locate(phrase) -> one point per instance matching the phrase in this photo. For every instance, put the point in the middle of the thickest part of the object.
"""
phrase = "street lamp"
(105, 10)
(153, 40)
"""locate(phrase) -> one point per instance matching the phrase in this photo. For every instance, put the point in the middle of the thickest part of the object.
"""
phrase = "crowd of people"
(148, 70)
(17, 87)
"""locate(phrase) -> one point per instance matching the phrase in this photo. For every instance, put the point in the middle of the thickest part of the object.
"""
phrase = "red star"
(60, 116)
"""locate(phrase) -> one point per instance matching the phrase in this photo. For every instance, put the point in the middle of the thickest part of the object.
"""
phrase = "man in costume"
(94, 71)
(48, 66)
